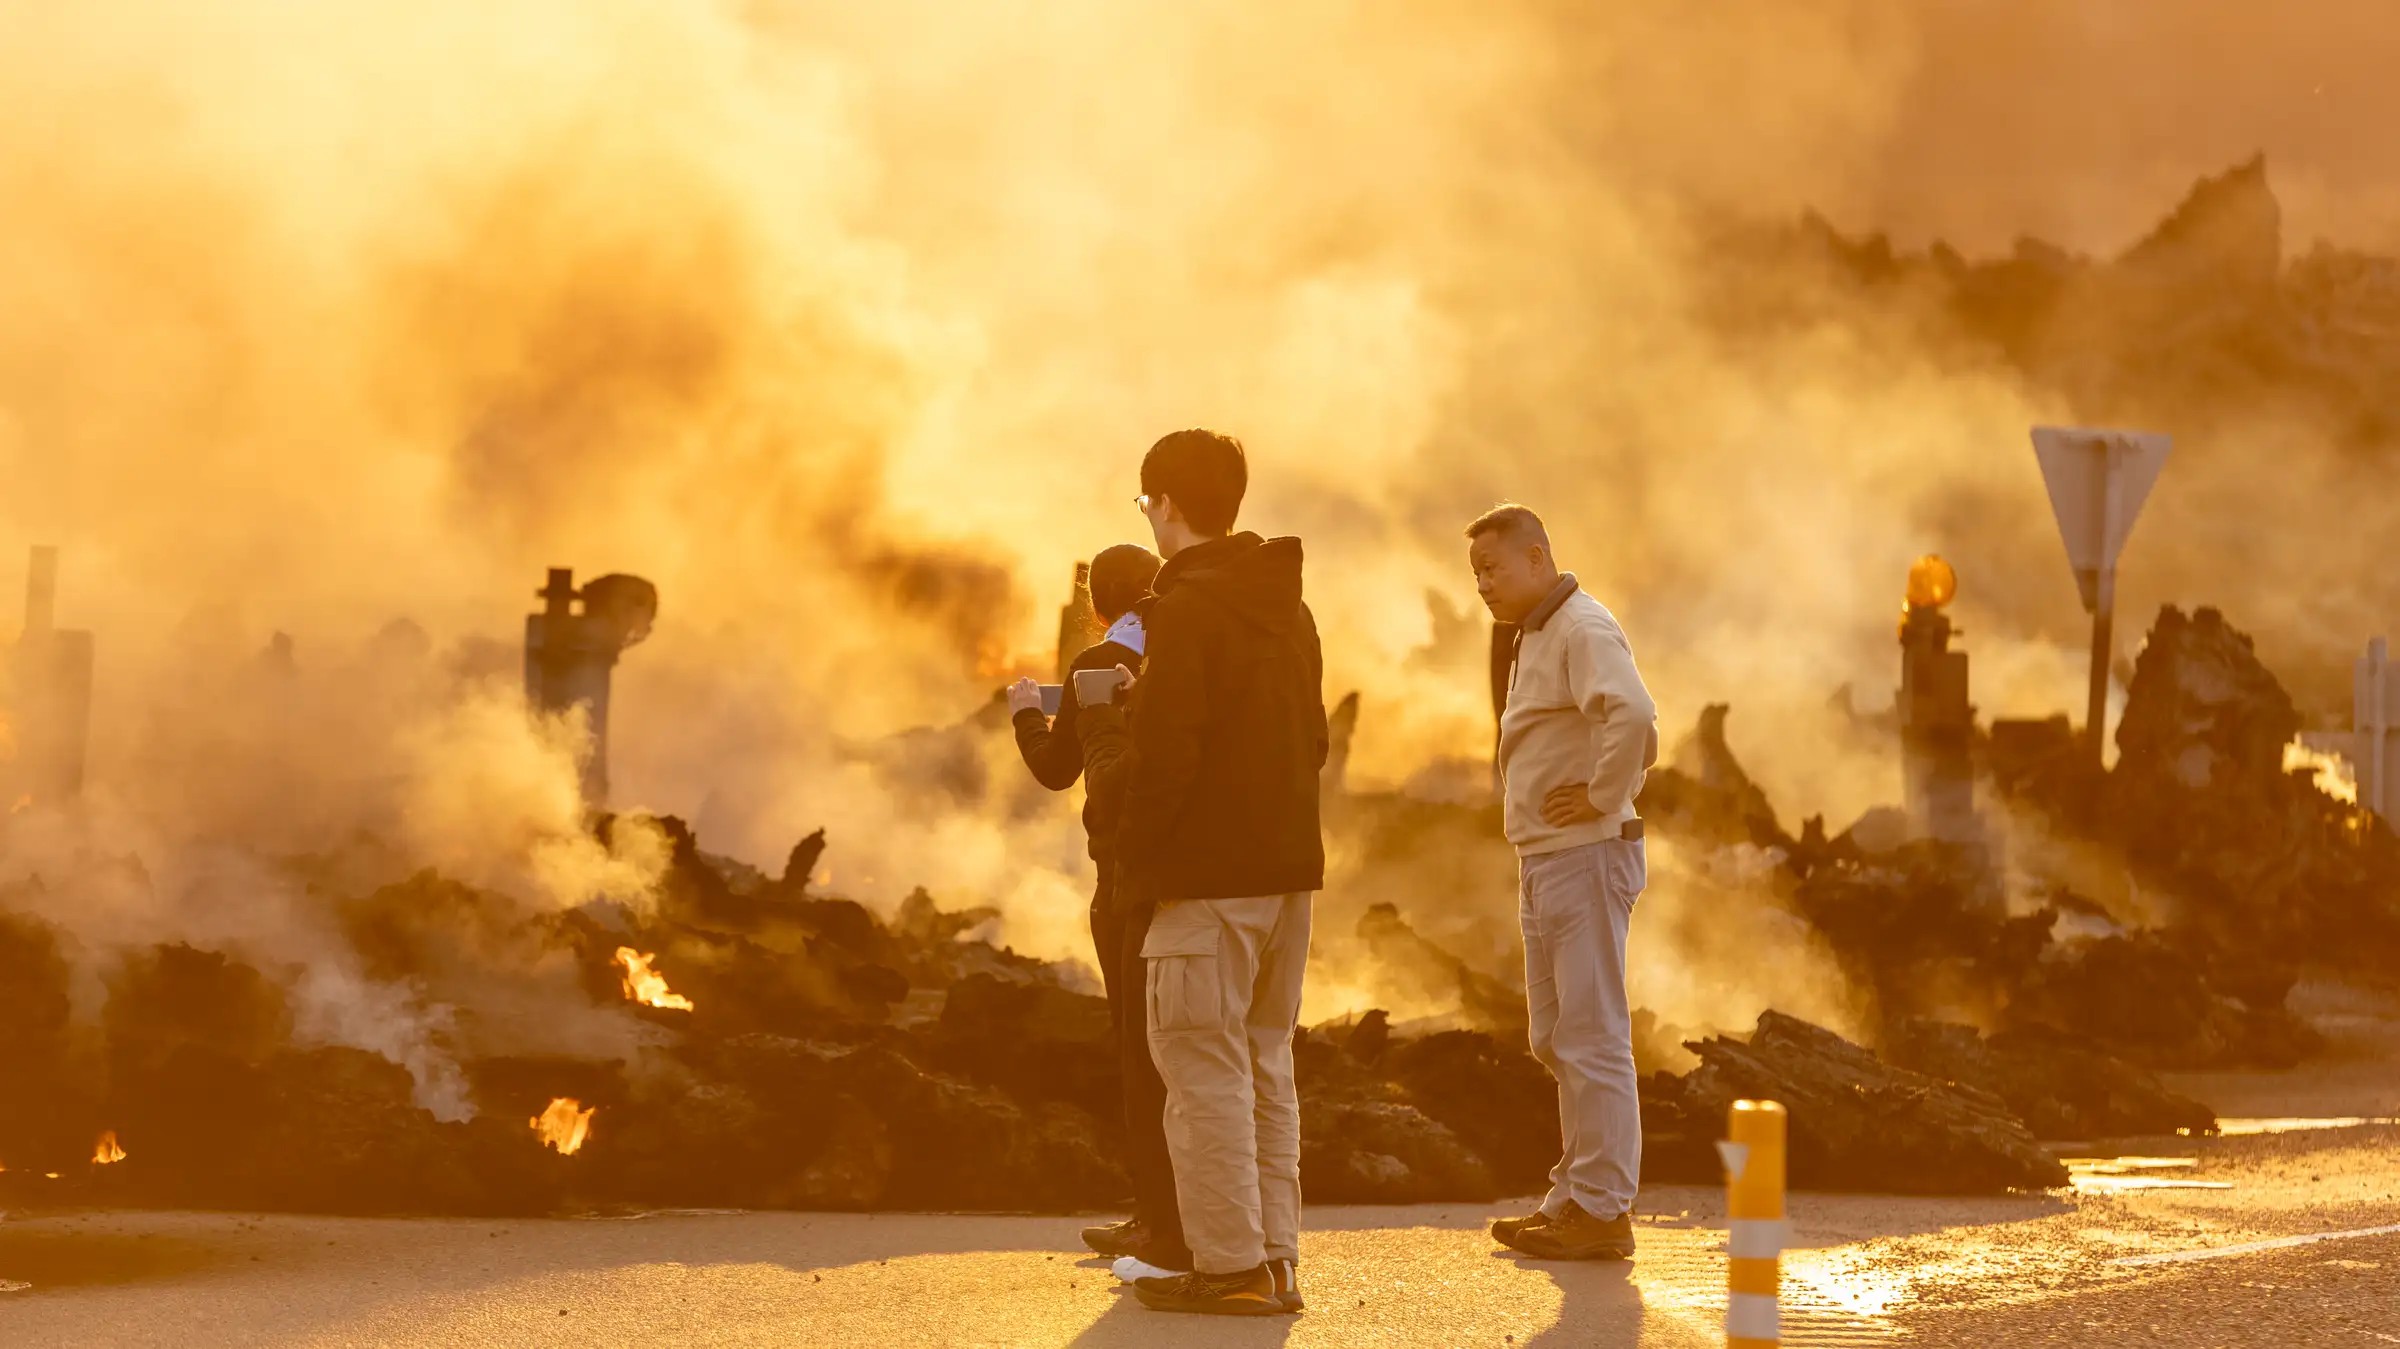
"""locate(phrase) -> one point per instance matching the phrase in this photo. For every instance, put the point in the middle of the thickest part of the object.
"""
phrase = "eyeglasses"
(1142, 503)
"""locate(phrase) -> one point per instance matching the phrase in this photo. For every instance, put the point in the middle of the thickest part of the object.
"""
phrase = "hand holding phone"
(1096, 688)
(1025, 696)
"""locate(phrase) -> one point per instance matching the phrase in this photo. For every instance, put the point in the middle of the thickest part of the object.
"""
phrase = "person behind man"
(1220, 830)
(1576, 737)
(1055, 752)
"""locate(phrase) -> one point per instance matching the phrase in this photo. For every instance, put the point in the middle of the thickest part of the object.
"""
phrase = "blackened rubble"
(835, 1057)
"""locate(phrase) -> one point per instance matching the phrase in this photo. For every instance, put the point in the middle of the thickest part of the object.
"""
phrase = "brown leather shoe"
(1577, 1235)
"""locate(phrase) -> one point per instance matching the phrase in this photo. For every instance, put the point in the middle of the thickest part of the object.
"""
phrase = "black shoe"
(1114, 1239)
(1577, 1235)
(1147, 1248)
(1249, 1293)
(1285, 1275)
(1504, 1230)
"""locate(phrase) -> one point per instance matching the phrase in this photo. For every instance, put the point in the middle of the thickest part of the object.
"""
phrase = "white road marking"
(2253, 1247)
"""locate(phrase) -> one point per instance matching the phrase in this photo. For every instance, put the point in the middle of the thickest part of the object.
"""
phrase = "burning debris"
(564, 1124)
(646, 985)
(813, 1053)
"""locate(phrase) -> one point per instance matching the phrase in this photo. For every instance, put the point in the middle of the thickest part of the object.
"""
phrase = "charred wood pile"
(756, 1044)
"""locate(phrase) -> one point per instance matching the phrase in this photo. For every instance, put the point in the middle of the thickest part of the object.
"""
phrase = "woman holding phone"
(1055, 750)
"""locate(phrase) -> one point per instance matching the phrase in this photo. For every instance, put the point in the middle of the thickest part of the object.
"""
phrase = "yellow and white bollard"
(1753, 1156)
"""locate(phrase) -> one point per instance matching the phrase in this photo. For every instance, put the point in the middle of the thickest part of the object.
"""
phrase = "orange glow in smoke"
(564, 1125)
(106, 1150)
(646, 985)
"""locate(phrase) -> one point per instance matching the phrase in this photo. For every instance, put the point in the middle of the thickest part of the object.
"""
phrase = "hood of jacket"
(1257, 579)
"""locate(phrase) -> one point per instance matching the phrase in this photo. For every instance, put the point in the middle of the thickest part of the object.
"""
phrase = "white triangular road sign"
(1736, 1157)
(2098, 482)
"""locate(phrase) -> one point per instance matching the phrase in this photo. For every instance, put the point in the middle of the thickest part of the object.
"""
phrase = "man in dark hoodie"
(1219, 829)
(1054, 750)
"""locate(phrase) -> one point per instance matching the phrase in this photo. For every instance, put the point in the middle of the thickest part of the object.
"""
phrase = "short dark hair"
(1510, 521)
(1121, 575)
(1203, 473)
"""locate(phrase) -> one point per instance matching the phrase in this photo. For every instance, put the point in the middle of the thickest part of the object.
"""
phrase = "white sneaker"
(1131, 1267)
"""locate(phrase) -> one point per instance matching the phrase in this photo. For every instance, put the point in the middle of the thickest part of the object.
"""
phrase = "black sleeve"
(1315, 651)
(1049, 748)
(1106, 747)
(1170, 712)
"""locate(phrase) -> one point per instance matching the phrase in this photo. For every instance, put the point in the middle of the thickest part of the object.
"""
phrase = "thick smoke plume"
(846, 326)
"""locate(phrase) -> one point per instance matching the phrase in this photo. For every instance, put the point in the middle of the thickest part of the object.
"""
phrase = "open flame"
(646, 985)
(106, 1150)
(2331, 773)
(564, 1125)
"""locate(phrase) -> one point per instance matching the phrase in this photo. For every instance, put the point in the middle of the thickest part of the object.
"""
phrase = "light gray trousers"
(1575, 906)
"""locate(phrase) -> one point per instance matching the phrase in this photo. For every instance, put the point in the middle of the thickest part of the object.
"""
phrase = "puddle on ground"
(2115, 1175)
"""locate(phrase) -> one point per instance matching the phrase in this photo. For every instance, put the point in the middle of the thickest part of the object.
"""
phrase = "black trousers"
(1118, 931)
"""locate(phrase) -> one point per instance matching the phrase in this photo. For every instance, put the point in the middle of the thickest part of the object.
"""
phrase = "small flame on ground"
(646, 985)
(106, 1150)
(564, 1125)
(2331, 772)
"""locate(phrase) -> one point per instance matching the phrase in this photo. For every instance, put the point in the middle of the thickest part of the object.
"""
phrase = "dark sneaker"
(1504, 1230)
(1577, 1235)
(1114, 1239)
(1285, 1275)
(1249, 1293)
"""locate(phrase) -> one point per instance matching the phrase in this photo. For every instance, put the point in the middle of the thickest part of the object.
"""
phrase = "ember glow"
(106, 1150)
(564, 1125)
(646, 985)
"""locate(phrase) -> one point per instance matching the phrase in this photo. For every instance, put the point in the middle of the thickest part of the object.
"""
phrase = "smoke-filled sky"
(847, 325)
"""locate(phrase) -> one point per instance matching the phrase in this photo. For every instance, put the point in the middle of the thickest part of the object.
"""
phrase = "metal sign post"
(2098, 482)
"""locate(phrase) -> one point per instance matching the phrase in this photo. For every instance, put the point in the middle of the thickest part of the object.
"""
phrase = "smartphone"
(1050, 697)
(1095, 687)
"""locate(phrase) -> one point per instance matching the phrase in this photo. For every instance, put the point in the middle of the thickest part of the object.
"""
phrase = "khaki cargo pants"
(1224, 980)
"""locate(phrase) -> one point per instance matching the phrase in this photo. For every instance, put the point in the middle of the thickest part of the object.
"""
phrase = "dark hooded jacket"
(1228, 730)
(1054, 750)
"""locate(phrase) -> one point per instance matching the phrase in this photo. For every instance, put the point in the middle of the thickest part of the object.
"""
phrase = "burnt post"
(1937, 720)
(1078, 622)
(53, 704)
(570, 654)
(2371, 751)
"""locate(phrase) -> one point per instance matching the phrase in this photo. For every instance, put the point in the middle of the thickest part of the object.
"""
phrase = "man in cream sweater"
(1576, 736)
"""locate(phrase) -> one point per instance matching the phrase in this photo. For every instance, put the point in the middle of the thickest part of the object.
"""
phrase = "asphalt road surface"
(2041, 1269)
(2282, 1232)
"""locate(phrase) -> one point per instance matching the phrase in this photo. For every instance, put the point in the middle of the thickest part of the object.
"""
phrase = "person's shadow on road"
(1599, 1302)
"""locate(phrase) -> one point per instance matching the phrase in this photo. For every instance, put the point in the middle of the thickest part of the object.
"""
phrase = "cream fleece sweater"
(1576, 712)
